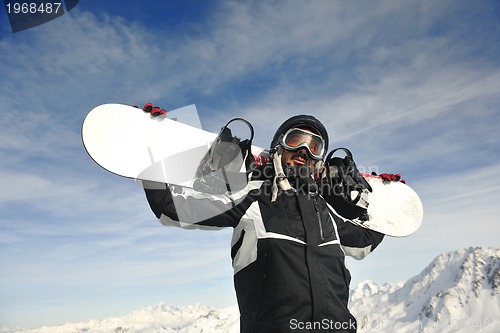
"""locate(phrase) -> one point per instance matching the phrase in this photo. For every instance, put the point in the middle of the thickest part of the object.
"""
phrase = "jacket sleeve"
(189, 209)
(357, 242)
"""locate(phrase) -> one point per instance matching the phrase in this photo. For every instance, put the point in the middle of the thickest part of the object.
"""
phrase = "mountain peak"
(474, 267)
(456, 287)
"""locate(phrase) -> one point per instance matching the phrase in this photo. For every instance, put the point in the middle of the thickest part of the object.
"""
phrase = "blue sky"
(409, 86)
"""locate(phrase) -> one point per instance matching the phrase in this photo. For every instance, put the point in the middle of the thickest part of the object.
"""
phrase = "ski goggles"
(297, 138)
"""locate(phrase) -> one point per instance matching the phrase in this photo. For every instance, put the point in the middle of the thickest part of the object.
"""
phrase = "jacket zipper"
(318, 214)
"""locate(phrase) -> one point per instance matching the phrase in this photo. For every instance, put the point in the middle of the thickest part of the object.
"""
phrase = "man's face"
(297, 157)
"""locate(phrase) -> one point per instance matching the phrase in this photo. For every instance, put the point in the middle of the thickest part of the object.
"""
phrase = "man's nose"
(302, 151)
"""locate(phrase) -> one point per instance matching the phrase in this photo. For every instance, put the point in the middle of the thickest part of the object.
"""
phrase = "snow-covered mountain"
(458, 292)
(155, 319)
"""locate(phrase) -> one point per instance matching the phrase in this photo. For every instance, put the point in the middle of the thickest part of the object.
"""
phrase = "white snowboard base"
(394, 208)
(131, 143)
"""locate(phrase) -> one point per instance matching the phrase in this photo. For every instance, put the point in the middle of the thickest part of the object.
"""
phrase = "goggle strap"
(279, 178)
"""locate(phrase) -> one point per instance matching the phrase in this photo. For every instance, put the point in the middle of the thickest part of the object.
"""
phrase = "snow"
(457, 292)
(158, 318)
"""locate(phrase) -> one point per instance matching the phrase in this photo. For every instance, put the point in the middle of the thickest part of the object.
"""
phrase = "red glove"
(154, 110)
(390, 177)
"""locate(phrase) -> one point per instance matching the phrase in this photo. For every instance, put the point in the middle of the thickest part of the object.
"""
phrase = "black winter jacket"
(288, 255)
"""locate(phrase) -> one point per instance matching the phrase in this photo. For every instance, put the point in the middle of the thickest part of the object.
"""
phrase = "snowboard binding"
(220, 169)
(343, 187)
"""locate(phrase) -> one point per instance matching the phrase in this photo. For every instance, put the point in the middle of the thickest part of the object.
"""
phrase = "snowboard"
(168, 148)
(398, 204)
(131, 143)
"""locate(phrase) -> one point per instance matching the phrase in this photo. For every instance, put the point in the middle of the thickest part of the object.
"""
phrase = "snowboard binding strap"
(343, 187)
(220, 171)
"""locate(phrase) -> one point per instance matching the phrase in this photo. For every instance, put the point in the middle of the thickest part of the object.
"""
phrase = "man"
(288, 246)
